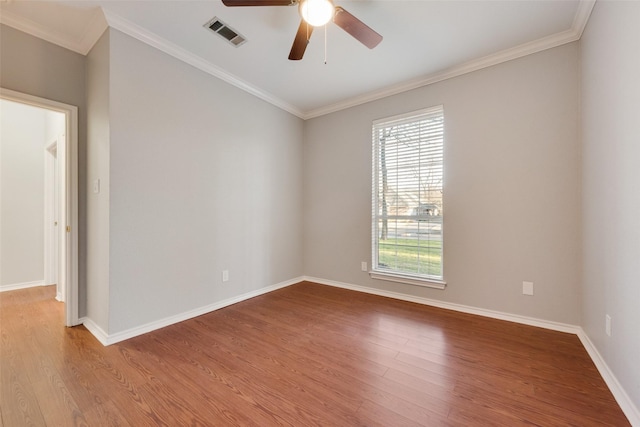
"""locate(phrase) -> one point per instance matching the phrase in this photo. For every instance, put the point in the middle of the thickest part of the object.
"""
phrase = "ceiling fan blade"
(234, 3)
(358, 29)
(301, 41)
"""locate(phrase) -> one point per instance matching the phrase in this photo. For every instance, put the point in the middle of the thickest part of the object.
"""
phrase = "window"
(407, 198)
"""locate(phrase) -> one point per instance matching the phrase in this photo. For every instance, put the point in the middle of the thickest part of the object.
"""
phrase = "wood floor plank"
(232, 385)
(215, 402)
(19, 402)
(55, 398)
(305, 355)
(378, 415)
(105, 414)
(319, 387)
(20, 405)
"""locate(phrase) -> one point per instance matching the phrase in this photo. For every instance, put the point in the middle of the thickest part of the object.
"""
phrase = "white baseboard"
(623, 399)
(108, 339)
(621, 396)
(531, 321)
(25, 285)
(95, 330)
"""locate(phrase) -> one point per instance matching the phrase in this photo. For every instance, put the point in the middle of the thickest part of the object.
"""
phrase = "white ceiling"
(424, 41)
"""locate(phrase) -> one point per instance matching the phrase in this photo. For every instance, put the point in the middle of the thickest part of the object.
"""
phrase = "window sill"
(410, 280)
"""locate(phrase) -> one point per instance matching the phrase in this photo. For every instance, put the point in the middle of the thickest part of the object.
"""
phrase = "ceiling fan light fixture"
(317, 12)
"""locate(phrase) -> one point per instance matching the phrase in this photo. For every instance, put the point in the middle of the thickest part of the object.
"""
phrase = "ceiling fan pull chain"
(325, 44)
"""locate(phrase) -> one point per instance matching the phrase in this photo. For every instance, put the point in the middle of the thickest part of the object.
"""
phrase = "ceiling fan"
(316, 13)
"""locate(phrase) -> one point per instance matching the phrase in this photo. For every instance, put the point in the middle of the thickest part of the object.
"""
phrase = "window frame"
(424, 280)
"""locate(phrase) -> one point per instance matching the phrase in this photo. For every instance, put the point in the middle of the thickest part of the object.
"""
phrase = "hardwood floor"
(304, 355)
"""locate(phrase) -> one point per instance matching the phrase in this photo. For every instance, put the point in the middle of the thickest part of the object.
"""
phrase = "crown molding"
(585, 7)
(100, 21)
(95, 27)
(580, 21)
(152, 39)
(27, 26)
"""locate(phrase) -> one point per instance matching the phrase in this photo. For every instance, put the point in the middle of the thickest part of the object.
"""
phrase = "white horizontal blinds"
(408, 193)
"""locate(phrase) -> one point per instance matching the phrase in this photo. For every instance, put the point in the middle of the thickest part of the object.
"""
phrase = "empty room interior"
(410, 213)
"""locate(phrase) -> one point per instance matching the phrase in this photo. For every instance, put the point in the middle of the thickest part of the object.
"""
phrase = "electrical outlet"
(363, 265)
(527, 288)
(607, 325)
(225, 275)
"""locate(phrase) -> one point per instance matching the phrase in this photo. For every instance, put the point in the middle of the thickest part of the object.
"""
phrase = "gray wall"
(36, 67)
(203, 177)
(611, 176)
(512, 187)
(22, 143)
(98, 145)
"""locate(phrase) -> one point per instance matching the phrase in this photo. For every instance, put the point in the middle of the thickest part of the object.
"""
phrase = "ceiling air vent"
(225, 31)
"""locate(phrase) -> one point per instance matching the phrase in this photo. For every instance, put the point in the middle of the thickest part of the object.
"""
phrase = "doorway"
(59, 204)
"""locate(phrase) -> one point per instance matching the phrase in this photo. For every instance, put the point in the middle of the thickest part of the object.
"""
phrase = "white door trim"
(70, 220)
(51, 235)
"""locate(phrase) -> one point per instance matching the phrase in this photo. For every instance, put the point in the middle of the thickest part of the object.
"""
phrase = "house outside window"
(407, 214)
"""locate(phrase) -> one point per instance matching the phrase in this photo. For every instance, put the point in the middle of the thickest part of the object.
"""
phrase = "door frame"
(69, 217)
(51, 214)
